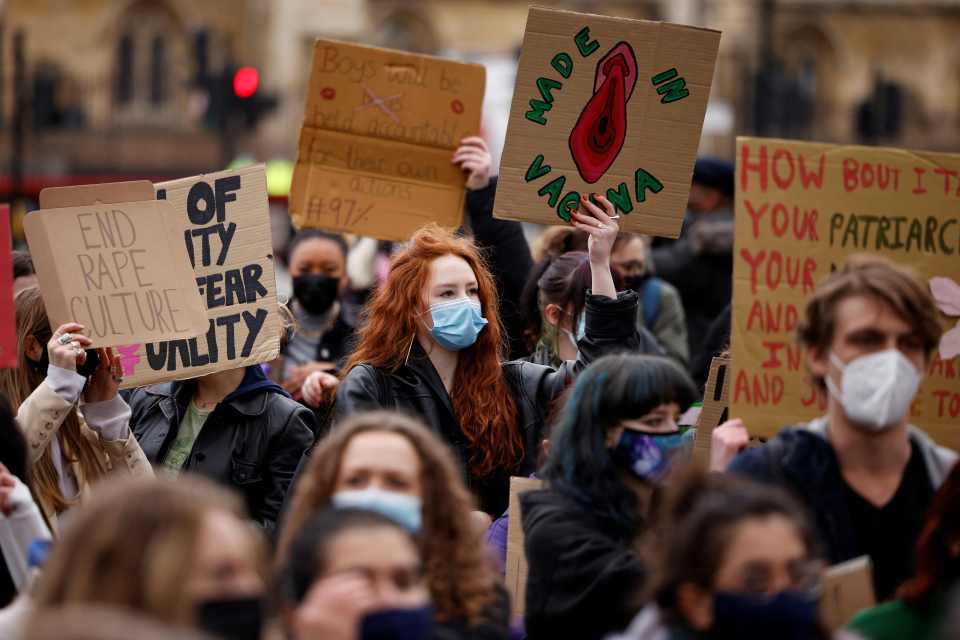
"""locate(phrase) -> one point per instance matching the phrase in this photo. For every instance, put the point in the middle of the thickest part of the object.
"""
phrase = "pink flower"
(946, 293)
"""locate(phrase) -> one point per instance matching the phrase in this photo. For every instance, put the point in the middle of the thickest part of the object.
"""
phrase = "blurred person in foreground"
(355, 574)
(733, 560)
(175, 551)
(700, 263)
(389, 463)
(613, 446)
(867, 475)
(81, 622)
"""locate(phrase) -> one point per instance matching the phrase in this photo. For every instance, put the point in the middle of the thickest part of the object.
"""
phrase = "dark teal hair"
(611, 390)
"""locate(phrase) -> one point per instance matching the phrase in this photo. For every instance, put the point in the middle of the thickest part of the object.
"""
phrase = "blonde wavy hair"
(17, 384)
(133, 545)
(460, 573)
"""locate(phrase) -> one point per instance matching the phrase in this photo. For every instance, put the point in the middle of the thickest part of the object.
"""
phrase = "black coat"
(582, 582)
(508, 255)
(417, 389)
(252, 441)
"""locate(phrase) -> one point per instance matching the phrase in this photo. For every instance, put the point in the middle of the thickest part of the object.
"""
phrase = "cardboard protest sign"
(116, 267)
(222, 221)
(714, 410)
(847, 590)
(378, 136)
(8, 320)
(801, 210)
(608, 106)
(516, 556)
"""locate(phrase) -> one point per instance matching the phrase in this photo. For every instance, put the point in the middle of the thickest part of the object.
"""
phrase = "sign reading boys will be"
(608, 106)
(225, 225)
(378, 136)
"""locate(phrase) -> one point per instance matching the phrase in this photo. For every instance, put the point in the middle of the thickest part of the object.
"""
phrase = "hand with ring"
(67, 347)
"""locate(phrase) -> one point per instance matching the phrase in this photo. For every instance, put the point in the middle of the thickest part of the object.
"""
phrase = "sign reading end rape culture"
(379, 131)
(609, 106)
(801, 210)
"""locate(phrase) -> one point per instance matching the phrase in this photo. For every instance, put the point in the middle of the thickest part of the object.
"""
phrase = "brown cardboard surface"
(715, 396)
(661, 136)
(235, 276)
(378, 135)
(847, 590)
(516, 556)
(799, 213)
(118, 269)
(86, 194)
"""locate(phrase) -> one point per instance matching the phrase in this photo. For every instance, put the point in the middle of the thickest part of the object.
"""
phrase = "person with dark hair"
(923, 601)
(867, 475)
(554, 301)
(616, 440)
(323, 323)
(734, 560)
(661, 310)
(700, 263)
(24, 274)
(353, 574)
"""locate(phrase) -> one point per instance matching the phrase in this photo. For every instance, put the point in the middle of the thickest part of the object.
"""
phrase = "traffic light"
(248, 101)
(235, 96)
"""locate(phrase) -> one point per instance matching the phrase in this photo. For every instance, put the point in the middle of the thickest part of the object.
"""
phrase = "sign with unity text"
(223, 220)
(801, 210)
(118, 268)
(378, 135)
(608, 106)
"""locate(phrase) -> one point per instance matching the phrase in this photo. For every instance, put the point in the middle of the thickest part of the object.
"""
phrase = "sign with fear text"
(801, 210)
(223, 220)
(378, 136)
(605, 106)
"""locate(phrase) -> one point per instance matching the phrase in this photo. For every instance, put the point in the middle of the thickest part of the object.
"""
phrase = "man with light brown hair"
(866, 474)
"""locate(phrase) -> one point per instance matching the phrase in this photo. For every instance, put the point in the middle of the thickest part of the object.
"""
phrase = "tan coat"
(41, 415)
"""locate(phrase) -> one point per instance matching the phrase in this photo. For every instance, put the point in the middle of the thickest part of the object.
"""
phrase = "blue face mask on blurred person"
(649, 456)
(789, 615)
(456, 324)
(405, 510)
(398, 624)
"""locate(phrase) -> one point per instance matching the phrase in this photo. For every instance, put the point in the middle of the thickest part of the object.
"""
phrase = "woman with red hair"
(432, 344)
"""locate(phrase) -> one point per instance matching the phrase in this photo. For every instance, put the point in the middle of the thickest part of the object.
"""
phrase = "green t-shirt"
(186, 435)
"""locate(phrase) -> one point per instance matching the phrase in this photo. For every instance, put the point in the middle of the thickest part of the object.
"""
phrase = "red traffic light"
(245, 82)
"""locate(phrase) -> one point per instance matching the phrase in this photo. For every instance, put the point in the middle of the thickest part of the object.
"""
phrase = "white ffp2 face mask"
(876, 389)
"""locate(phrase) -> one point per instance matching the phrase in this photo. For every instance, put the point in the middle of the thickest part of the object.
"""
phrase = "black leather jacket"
(417, 389)
(251, 442)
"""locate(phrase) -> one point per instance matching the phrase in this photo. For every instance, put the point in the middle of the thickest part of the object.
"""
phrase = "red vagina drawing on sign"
(597, 138)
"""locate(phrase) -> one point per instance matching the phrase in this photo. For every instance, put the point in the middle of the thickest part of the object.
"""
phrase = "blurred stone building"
(124, 88)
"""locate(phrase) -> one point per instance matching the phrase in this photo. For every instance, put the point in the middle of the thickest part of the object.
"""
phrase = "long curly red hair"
(480, 396)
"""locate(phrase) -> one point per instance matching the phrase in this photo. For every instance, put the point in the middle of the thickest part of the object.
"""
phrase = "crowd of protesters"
(357, 488)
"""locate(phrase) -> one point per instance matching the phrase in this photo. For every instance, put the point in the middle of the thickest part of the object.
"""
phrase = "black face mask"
(234, 619)
(316, 293)
(86, 369)
(635, 282)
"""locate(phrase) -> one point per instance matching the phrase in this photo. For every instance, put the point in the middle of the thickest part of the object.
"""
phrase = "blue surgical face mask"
(581, 331)
(403, 509)
(398, 624)
(649, 456)
(789, 615)
(456, 324)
